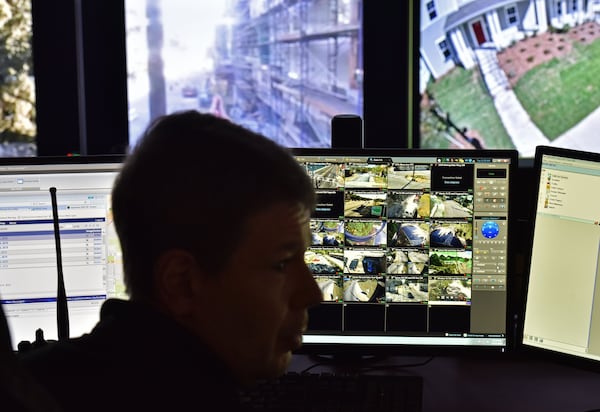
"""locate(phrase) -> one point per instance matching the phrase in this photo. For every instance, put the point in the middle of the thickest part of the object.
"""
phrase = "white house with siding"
(451, 30)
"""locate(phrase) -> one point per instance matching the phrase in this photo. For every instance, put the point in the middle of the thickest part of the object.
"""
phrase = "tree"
(17, 90)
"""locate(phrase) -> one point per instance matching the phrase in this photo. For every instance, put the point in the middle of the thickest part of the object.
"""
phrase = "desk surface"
(492, 384)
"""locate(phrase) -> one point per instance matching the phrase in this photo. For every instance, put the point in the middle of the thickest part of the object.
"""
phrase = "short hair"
(193, 182)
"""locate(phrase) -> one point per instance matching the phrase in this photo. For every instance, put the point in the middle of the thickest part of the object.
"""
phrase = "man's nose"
(308, 294)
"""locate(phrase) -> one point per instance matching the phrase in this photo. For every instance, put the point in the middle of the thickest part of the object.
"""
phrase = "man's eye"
(281, 265)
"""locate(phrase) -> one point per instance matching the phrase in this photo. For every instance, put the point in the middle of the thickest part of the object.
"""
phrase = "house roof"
(472, 10)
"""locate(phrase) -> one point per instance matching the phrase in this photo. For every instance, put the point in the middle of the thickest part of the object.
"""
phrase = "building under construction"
(285, 67)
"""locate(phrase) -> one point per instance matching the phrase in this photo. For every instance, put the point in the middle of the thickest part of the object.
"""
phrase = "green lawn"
(557, 95)
(463, 95)
(560, 93)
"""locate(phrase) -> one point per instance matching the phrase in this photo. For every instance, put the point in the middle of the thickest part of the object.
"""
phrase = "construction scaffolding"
(285, 67)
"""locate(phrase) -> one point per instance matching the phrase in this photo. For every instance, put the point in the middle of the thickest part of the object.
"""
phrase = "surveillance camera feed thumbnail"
(282, 69)
(509, 75)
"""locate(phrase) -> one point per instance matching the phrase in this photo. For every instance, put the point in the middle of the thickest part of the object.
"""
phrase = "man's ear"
(176, 275)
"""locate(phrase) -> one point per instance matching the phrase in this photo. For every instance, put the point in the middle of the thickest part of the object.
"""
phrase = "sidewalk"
(585, 135)
(525, 135)
(523, 132)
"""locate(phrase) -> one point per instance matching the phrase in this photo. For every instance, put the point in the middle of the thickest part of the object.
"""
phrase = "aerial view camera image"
(326, 175)
(364, 261)
(451, 205)
(450, 262)
(366, 233)
(409, 176)
(509, 75)
(408, 261)
(366, 176)
(283, 69)
(324, 261)
(405, 204)
(449, 289)
(327, 232)
(364, 203)
(413, 233)
(364, 289)
(406, 289)
(332, 287)
(451, 234)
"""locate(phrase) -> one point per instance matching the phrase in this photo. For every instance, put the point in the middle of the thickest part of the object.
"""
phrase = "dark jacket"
(135, 359)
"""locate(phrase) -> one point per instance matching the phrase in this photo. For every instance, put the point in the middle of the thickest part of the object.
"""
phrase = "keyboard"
(323, 391)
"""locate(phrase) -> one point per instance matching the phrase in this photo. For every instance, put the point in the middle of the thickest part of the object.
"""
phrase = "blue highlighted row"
(50, 299)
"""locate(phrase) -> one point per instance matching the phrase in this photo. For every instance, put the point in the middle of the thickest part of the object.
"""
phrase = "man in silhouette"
(213, 221)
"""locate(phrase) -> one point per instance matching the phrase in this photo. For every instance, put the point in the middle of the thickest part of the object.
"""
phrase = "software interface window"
(562, 311)
(407, 248)
(91, 256)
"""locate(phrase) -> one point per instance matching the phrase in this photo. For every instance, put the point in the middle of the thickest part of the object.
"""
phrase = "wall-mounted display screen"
(509, 74)
(283, 69)
(17, 88)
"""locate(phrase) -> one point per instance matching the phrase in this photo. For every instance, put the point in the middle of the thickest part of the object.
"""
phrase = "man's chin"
(276, 367)
(279, 365)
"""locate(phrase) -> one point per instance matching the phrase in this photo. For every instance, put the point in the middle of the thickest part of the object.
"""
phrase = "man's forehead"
(282, 217)
(300, 212)
(296, 212)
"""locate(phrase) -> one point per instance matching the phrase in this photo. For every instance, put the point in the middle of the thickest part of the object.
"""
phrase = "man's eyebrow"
(293, 245)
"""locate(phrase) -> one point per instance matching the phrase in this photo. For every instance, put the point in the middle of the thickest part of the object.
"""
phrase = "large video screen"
(509, 74)
(283, 69)
(17, 88)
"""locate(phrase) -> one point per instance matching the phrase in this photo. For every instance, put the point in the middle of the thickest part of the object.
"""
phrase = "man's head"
(213, 224)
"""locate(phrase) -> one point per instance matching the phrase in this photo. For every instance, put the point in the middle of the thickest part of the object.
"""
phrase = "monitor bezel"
(362, 350)
(58, 160)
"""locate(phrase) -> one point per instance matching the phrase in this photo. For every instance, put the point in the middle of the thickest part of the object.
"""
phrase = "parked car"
(189, 91)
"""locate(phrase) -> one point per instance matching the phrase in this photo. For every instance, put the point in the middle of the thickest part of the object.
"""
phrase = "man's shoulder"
(92, 350)
(61, 356)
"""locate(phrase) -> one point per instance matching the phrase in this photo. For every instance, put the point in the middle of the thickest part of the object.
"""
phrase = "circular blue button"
(490, 229)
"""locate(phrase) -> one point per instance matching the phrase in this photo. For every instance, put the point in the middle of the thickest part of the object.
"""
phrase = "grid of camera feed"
(409, 245)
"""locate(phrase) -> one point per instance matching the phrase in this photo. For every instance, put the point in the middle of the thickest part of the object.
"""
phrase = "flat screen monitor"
(561, 312)
(411, 249)
(283, 69)
(508, 74)
(91, 258)
(18, 122)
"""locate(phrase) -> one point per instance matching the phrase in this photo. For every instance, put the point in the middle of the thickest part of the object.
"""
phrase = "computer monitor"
(561, 311)
(501, 74)
(411, 249)
(283, 69)
(91, 258)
